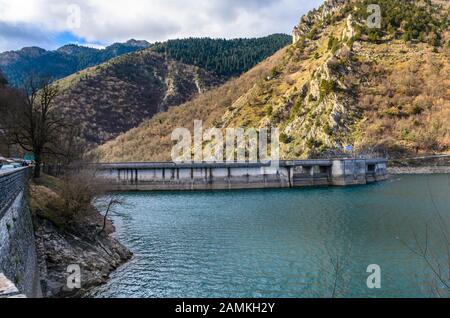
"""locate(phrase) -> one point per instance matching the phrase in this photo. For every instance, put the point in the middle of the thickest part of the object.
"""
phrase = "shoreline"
(419, 170)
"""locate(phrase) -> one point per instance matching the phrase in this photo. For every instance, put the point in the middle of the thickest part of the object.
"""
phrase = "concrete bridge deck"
(155, 176)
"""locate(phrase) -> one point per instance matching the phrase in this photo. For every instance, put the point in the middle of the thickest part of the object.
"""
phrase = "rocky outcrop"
(349, 31)
(97, 255)
(327, 104)
(314, 17)
(8, 289)
(332, 6)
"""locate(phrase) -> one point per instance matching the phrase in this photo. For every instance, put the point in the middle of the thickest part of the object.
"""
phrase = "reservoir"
(283, 242)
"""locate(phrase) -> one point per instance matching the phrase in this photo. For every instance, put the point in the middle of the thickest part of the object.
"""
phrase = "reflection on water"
(281, 243)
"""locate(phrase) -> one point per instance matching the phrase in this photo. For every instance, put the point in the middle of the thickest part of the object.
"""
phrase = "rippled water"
(281, 243)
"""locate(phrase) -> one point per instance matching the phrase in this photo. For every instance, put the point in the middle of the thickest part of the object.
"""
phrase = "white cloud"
(153, 20)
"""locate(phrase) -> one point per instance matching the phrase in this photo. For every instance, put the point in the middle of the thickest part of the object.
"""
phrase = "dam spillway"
(240, 175)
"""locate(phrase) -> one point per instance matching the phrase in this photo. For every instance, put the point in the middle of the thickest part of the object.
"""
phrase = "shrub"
(414, 20)
(313, 33)
(285, 139)
(327, 87)
(327, 129)
(415, 110)
(275, 72)
(333, 44)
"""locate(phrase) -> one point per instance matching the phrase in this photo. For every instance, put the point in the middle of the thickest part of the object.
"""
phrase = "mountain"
(223, 57)
(18, 65)
(118, 95)
(340, 83)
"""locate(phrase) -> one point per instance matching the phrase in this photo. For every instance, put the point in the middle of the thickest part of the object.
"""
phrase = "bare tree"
(33, 120)
(110, 205)
(434, 248)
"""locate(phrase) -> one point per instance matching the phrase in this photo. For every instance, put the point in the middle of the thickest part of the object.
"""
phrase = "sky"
(97, 23)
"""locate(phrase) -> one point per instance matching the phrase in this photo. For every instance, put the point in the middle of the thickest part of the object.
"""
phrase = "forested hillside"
(223, 57)
(19, 65)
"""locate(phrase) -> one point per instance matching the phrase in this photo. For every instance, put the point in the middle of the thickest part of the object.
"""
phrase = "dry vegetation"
(407, 99)
(151, 141)
(118, 95)
(66, 201)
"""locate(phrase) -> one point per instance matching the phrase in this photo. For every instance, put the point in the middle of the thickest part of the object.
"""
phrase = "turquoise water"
(282, 243)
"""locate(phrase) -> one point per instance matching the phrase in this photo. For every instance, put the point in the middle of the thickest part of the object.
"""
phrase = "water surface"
(282, 243)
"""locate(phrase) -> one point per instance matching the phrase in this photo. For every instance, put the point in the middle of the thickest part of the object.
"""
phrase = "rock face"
(97, 255)
(329, 101)
(330, 7)
(8, 289)
(349, 31)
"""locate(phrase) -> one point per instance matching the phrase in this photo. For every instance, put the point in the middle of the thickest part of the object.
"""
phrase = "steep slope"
(116, 96)
(151, 141)
(18, 65)
(339, 84)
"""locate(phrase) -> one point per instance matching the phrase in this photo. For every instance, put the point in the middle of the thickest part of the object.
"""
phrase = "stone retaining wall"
(18, 259)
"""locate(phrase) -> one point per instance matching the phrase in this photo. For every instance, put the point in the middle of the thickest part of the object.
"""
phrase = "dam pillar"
(348, 172)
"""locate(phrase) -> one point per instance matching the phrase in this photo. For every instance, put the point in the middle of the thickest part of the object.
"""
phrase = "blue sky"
(53, 23)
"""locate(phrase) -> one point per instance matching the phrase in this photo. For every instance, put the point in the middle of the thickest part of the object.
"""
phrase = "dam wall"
(218, 176)
(18, 258)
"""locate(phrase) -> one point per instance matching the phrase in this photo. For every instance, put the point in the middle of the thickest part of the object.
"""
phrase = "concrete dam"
(220, 176)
